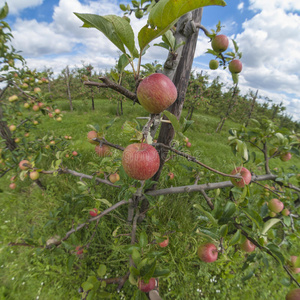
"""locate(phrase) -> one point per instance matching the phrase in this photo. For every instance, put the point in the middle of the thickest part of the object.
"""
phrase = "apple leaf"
(235, 239)
(173, 120)
(229, 210)
(269, 224)
(143, 239)
(207, 214)
(276, 252)
(139, 295)
(254, 216)
(164, 15)
(101, 270)
(223, 230)
(136, 257)
(161, 272)
(87, 286)
(115, 28)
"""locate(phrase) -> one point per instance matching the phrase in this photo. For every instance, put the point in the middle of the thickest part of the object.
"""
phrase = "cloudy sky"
(49, 35)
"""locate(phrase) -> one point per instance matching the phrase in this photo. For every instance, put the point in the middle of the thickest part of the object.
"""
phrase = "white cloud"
(241, 6)
(287, 5)
(16, 6)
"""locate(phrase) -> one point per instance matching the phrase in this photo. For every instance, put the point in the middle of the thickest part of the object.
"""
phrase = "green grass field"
(30, 215)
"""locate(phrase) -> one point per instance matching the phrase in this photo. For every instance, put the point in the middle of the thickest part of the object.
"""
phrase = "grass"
(29, 214)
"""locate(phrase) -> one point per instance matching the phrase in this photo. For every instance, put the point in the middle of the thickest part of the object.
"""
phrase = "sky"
(49, 35)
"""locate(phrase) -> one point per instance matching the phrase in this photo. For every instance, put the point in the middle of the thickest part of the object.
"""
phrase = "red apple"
(293, 295)
(34, 175)
(171, 176)
(103, 150)
(35, 107)
(275, 205)
(245, 173)
(286, 156)
(21, 164)
(213, 64)
(165, 243)
(57, 111)
(74, 153)
(235, 66)
(94, 212)
(92, 135)
(12, 186)
(79, 250)
(208, 253)
(189, 144)
(114, 177)
(220, 43)
(146, 287)
(248, 246)
(156, 93)
(50, 115)
(140, 161)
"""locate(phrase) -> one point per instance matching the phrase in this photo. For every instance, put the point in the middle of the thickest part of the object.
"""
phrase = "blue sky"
(49, 35)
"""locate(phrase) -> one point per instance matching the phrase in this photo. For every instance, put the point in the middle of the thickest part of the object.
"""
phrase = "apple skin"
(208, 253)
(165, 243)
(248, 246)
(213, 64)
(293, 295)
(13, 98)
(245, 173)
(235, 66)
(92, 135)
(189, 144)
(21, 166)
(146, 287)
(285, 156)
(74, 153)
(156, 93)
(114, 177)
(34, 175)
(12, 186)
(93, 212)
(103, 150)
(220, 43)
(275, 205)
(286, 212)
(294, 269)
(12, 127)
(35, 108)
(57, 111)
(140, 161)
(171, 176)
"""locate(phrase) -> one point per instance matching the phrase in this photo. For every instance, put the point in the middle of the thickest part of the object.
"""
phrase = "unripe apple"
(156, 93)
(220, 43)
(35, 122)
(213, 64)
(208, 253)
(286, 156)
(34, 175)
(52, 142)
(24, 86)
(74, 153)
(50, 115)
(37, 90)
(40, 104)
(139, 14)
(103, 150)
(285, 212)
(273, 151)
(58, 119)
(17, 140)
(146, 287)
(26, 105)
(93, 212)
(92, 135)
(21, 164)
(293, 295)
(140, 161)
(35, 107)
(12, 127)
(248, 246)
(67, 155)
(246, 177)
(165, 243)
(186, 139)
(235, 66)
(275, 205)
(26, 134)
(272, 214)
(114, 177)
(12, 186)
(189, 145)
(47, 147)
(13, 98)
(57, 111)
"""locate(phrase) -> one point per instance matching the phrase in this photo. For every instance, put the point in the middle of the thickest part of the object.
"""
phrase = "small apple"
(294, 269)
(35, 122)
(171, 175)
(12, 127)
(26, 134)
(272, 214)
(208, 253)
(114, 177)
(40, 104)
(79, 250)
(35, 108)
(275, 205)
(248, 246)
(285, 212)
(21, 164)
(213, 64)
(293, 295)
(246, 177)
(165, 243)
(146, 287)
(17, 140)
(37, 90)
(103, 151)
(220, 43)
(47, 147)
(93, 212)
(186, 139)
(189, 144)
(52, 142)
(58, 119)
(57, 111)
(92, 135)
(140, 161)
(67, 155)
(74, 153)
(156, 93)
(69, 137)
(235, 66)
(50, 115)
(12, 186)
(34, 175)
(13, 98)
(26, 105)
(286, 156)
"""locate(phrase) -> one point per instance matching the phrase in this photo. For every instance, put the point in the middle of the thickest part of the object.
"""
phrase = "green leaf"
(4, 11)
(235, 78)
(115, 28)
(122, 62)
(147, 270)
(101, 270)
(136, 257)
(123, 7)
(161, 272)
(207, 214)
(236, 238)
(169, 39)
(173, 120)
(248, 275)
(163, 45)
(223, 230)
(276, 252)
(87, 286)
(255, 217)
(270, 223)
(143, 239)
(165, 13)
(229, 210)
(208, 233)
(139, 295)
(70, 262)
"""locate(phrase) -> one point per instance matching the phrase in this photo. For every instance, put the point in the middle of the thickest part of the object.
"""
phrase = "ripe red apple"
(34, 175)
(79, 250)
(35, 107)
(50, 115)
(171, 176)
(57, 111)
(293, 295)
(140, 161)
(189, 144)
(93, 212)
(248, 246)
(146, 287)
(235, 66)
(156, 93)
(285, 212)
(165, 243)
(275, 205)
(92, 135)
(220, 43)
(12, 186)
(208, 253)
(245, 173)
(74, 153)
(103, 150)
(21, 164)
(213, 64)
(286, 156)
(40, 104)
(294, 269)
(114, 177)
